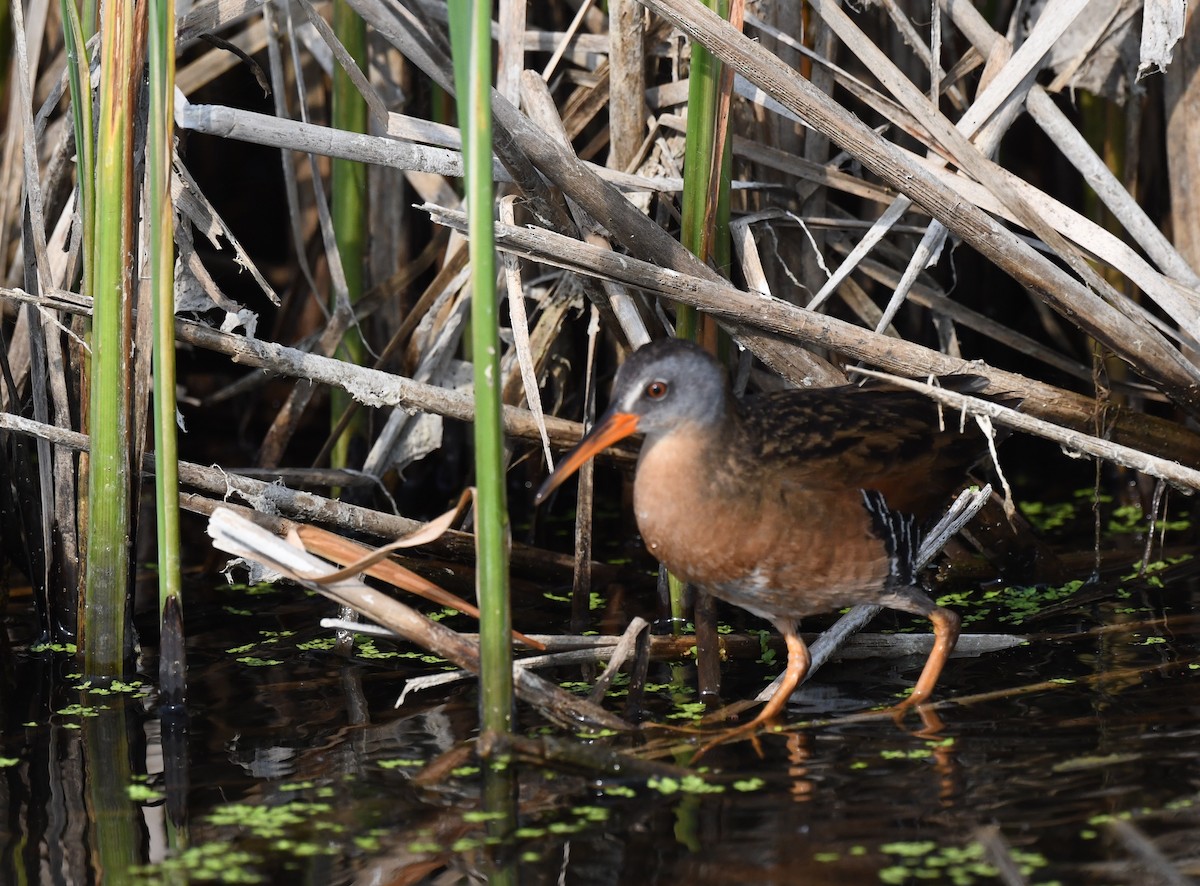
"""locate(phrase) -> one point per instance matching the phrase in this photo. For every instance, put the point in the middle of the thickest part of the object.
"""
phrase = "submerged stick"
(236, 535)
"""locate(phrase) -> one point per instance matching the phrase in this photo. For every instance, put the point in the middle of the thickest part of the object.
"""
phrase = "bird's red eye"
(656, 390)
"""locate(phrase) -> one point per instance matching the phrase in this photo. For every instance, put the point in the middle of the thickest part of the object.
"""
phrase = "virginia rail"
(786, 504)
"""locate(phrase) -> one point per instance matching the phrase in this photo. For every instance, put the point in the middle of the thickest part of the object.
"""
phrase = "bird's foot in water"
(931, 723)
(724, 734)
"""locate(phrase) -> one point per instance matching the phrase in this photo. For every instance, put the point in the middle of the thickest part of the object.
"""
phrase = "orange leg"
(797, 666)
(945, 633)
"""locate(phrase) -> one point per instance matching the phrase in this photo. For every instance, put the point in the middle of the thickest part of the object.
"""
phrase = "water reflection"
(1055, 758)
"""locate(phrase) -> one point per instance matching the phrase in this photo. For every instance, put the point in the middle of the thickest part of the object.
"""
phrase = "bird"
(787, 504)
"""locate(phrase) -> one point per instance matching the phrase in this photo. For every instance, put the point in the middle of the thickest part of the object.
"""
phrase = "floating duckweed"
(140, 793)
(465, 771)
(530, 857)
(368, 842)
(477, 816)
(957, 598)
(298, 786)
(1154, 641)
(1023, 602)
(420, 846)
(565, 827)
(238, 650)
(962, 866)
(78, 710)
(254, 590)
(591, 813)
(365, 648)
(666, 785)
(1044, 516)
(619, 790)
(318, 644)
(6, 762)
(1061, 681)
(557, 598)
(208, 861)
(827, 857)
(69, 648)
(465, 844)
(529, 833)
(300, 848)
(1126, 518)
(748, 784)
(267, 822)
(398, 763)
(909, 849)
(688, 710)
(768, 654)
(689, 784)
(596, 733)
(256, 662)
(914, 754)
(115, 687)
(860, 764)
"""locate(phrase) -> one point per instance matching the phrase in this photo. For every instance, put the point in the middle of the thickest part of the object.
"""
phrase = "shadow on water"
(1072, 758)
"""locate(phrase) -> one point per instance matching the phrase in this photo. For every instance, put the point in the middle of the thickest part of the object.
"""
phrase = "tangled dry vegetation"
(876, 219)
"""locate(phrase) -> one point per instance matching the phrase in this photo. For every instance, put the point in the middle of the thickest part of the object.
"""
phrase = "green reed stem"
(698, 223)
(704, 81)
(103, 628)
(470, 32)
(114, 826)
(159, 142)
(349, 208)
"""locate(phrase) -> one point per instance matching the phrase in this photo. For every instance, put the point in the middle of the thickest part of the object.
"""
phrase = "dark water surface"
(1072, 758)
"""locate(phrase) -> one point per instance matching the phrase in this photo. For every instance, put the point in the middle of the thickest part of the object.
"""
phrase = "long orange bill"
(612, 427)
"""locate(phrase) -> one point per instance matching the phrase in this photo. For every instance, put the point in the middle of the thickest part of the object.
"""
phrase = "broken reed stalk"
(1127, 335)
(299, 505)
(741, 311)
(238, 536)
(102, 633)
(470, 31)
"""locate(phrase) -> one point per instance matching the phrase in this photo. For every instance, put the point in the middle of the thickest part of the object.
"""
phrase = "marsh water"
(1072, 758)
